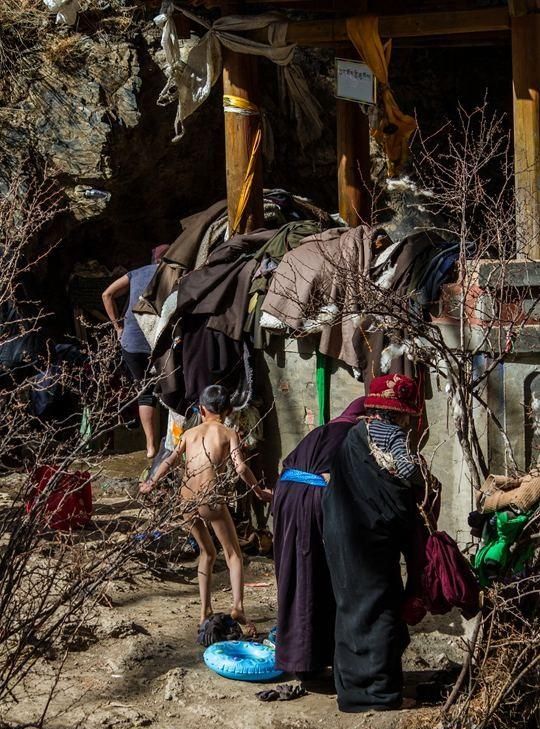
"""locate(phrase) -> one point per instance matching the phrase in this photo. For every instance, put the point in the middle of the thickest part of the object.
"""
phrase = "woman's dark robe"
(306, 607)
(368, 518)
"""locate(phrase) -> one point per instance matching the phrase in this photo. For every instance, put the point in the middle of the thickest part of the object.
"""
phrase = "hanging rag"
(190, 82)
(394, 128)
(448, 580)
(322, 276)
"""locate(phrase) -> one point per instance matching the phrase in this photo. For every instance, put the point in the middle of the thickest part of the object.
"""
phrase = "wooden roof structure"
(436, 21)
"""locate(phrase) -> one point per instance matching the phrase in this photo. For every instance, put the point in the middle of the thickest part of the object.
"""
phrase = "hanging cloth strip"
(238, 105)
(395, 128)
(190, 79)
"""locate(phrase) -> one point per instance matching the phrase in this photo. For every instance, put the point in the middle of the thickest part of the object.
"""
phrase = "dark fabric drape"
(306, 607)
(184, 249)
(220, 289)
(203, 357)
(367, 521)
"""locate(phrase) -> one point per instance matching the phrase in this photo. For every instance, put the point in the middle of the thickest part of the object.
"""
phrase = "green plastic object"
(323, 388)
(494, 557)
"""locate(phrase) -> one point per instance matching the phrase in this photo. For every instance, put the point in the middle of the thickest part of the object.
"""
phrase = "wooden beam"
(353, 159)
(330, 32)
(240, 79)
(526, 85)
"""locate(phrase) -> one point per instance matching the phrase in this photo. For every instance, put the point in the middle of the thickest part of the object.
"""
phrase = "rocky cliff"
(80, 102)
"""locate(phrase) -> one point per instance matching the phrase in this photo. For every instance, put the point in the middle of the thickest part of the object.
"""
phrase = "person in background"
(370, 518)
(306, 607)
(135, 349)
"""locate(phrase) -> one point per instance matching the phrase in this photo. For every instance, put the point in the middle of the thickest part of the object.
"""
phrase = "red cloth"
(67, 504)
(393, 392)
(448, 580)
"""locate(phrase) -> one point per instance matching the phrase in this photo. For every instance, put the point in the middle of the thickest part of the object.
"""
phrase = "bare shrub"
(465, 175)
(50, 581)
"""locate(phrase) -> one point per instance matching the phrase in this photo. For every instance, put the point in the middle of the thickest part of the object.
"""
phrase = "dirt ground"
(138, 663)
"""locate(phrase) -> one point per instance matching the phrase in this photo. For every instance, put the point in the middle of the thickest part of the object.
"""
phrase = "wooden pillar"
(353, 159)
(526, 83)
(354, 176)
(240, 79)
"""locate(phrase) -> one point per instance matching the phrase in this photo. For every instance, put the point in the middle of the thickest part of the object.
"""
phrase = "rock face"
(66, 114)
(82, 105)
(82, 102)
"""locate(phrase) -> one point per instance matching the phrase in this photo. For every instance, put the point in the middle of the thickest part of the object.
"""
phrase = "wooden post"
(353, 158)
(354, 164)
(526, 83)
(240, 79)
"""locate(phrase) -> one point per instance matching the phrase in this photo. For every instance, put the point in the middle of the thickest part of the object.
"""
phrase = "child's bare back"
(209, 449)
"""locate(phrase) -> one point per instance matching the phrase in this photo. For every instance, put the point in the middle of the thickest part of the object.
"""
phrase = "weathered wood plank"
(329, 32)
(240, 79)
(353, 162)
(526, 86)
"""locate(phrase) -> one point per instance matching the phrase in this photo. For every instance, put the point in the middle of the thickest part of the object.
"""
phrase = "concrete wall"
(511, 398)
(290, 373)
(292, 370)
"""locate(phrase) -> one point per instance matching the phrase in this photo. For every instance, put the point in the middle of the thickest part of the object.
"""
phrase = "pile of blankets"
(214, 300)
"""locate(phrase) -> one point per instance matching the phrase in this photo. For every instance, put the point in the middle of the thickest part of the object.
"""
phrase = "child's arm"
(166, 465)
(245, 472)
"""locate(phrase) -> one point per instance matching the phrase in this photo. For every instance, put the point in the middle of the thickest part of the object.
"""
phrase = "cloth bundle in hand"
(217, 628)
(499, 493)
(283, 692)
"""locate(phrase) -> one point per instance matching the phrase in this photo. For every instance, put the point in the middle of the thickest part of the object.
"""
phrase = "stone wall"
(292, 374)
(291, 380)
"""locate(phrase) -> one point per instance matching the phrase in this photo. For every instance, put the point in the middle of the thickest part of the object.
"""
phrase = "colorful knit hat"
(393, 392)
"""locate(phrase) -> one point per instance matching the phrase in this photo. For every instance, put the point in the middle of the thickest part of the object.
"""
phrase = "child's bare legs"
(205, 567)
(223, 525)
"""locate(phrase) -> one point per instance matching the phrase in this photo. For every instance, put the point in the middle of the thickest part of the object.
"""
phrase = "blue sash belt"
(311, 479)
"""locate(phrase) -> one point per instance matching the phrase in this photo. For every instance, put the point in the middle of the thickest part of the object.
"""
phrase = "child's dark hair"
(216, 399)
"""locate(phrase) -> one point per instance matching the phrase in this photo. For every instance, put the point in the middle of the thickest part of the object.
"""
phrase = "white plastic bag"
(66, 10)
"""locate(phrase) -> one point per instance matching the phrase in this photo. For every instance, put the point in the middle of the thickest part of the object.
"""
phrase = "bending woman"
(370, 518)
(306, 607)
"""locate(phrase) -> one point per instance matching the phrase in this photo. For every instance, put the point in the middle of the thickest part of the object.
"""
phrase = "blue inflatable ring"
(242, 660)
